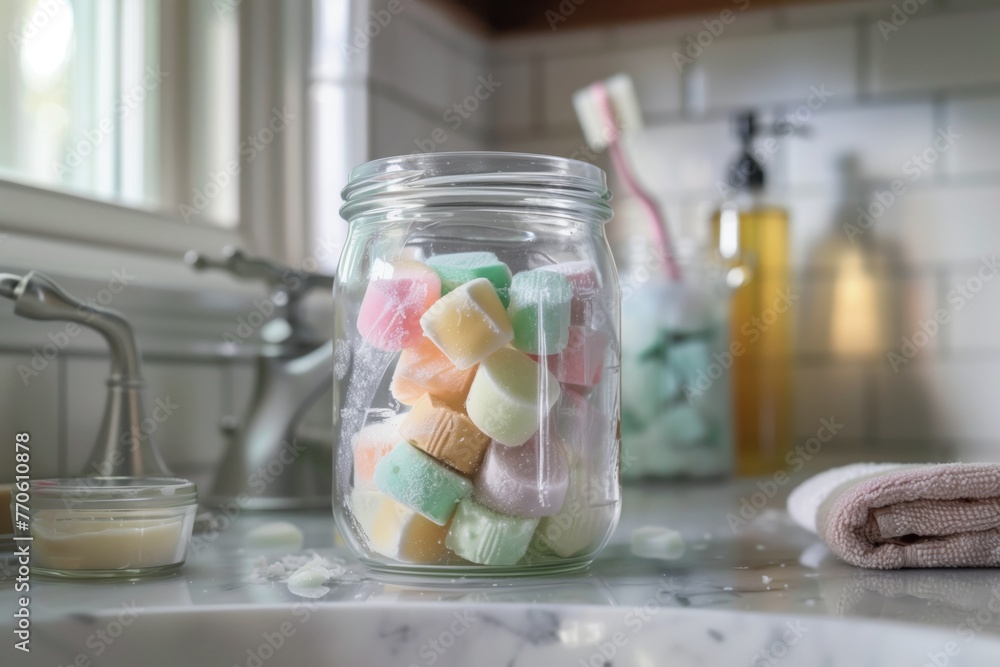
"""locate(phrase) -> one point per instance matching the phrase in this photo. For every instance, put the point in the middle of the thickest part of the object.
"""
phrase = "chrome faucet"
(265, 466)
(122, 448)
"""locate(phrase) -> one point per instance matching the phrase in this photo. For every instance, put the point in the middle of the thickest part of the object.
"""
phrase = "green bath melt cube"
(540, 309)
(480, 535)
(417, 481)
(458, 268)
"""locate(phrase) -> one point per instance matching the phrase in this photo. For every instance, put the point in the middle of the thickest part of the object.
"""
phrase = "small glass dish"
(109, 527)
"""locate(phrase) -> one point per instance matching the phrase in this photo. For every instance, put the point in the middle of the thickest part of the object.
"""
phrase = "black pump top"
(746, 173)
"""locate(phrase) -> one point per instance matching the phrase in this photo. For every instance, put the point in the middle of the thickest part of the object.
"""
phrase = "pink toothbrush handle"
(660, 230)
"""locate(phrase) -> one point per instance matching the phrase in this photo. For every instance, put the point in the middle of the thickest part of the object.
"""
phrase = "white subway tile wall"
(697, 160)
(657, 81)
(973, 309)
(839, 393)
(83, 410)
(28, 405)
(427, 79)
(930, 50)
(191, 398)
(779, 66)
(977, 150)
(898, 130)
(431, 87)
(919, 105)
(889, 96)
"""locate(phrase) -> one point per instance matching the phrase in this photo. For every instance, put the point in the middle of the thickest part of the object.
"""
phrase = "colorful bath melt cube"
(417, 481)
(405, 391)
(480, 535)
(424, 369)
(586, 285)
(404, 535)
(469, 323)
(459, 268)
(370, 445)
(445, 432)
(389, 318)
(582, 523)
(530, 480)
(510, 397)
(689, 358)
(582, 361)
(576, 422)
(540, 304)
(365, 503)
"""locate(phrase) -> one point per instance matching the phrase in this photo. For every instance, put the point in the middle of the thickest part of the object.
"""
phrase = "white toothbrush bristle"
(624, 103)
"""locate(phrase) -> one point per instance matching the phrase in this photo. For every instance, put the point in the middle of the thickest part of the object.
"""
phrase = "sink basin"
(354, 634)
(765, 596)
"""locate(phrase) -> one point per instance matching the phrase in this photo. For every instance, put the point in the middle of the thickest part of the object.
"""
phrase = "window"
(125, 101)
(132, 124)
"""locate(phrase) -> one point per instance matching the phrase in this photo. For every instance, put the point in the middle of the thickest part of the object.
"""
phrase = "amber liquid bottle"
(752, 238)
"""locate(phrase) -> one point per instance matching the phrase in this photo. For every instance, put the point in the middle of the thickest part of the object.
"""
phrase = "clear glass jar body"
(476, 389)
(676, 385)
(676, 367)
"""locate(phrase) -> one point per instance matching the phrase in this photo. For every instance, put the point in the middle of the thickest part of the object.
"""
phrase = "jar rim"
(113, 492)
(490, 177)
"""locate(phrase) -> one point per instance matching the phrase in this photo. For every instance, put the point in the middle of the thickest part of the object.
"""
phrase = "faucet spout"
(265, 465)
(286, 389)
(39, 298)
(9, 284)
(123, 448)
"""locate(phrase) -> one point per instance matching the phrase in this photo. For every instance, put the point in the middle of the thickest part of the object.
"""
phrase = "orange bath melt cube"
(424, 369)
(445, 432)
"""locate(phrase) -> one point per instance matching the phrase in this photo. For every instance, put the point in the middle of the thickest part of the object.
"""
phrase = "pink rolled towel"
(889, 516)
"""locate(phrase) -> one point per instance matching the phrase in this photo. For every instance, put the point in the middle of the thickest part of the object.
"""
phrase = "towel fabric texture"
(889, 516)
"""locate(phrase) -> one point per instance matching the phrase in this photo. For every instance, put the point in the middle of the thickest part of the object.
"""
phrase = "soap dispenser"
(750, 234)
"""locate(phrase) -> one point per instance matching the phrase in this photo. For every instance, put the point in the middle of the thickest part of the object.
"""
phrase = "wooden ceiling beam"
(514, 16)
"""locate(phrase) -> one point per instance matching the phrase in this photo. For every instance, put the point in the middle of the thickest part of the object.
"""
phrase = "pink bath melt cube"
(582, 361)
(586, 286)
(390, 313)
(576, 422)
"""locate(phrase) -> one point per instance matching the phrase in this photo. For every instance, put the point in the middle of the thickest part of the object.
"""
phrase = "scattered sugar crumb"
(727, 588)
(305, 574)
(310, 576)
(766, 579)
(760, 547)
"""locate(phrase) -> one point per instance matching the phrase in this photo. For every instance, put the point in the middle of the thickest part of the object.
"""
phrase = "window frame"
(44, 212)
(280, 232)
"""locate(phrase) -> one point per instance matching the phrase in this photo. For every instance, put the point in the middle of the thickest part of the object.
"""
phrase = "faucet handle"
(288, 286)
(9, 284)
(237, 263)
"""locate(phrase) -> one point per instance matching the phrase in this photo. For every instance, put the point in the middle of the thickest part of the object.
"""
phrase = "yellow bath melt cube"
(401, 534)
(469, 323)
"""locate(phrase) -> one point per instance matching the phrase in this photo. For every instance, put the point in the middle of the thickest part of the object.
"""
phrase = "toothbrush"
(606, 110)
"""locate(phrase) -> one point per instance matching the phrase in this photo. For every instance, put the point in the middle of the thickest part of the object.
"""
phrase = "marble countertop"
(757, 593)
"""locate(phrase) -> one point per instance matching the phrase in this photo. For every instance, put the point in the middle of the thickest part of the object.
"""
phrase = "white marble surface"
(764, 594)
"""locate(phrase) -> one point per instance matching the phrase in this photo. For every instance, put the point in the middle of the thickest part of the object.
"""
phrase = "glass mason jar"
(676, 396)
(476, 390)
